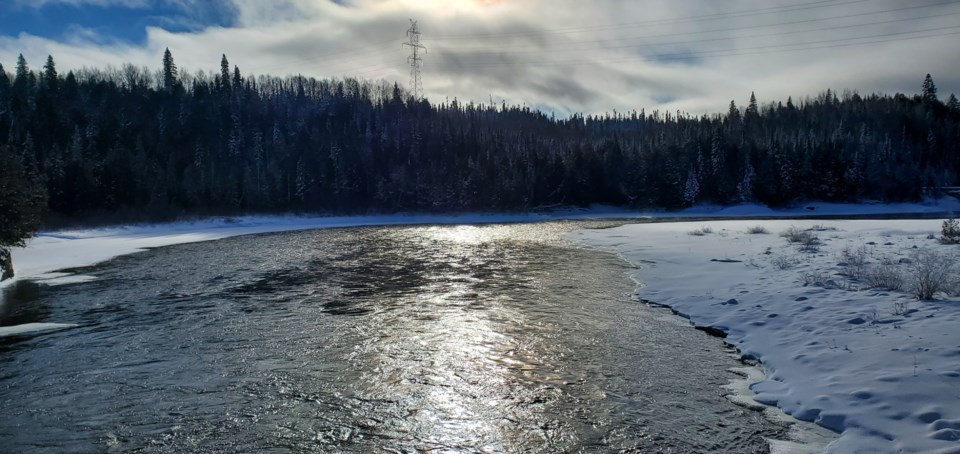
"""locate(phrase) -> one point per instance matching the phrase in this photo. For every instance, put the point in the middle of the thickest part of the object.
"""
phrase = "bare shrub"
(821, 228)
(808, 241)
(950, 232)
(783, 262)
(757, 230)
(701, 231)
(899, 307)
(885, 275)
(793, 234)
(817, 279)
(854, 261)
(931, 272)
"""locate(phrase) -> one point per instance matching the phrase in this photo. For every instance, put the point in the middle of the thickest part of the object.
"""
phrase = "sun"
(453, 7)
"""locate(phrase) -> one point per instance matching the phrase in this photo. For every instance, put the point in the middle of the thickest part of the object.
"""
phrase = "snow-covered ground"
(876, 365)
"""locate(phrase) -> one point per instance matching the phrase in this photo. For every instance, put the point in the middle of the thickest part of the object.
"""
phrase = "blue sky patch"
(59, 21)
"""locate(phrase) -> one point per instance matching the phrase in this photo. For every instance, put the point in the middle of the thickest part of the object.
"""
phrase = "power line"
(834, 43)
(711, 40)
(738, 52)
(748, 27)
(757, 50)
(727, 15)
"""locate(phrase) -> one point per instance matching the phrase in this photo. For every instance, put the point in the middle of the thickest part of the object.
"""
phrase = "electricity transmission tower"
(413, 37)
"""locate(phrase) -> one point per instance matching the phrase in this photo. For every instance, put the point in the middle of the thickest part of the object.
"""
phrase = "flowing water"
(499, 338)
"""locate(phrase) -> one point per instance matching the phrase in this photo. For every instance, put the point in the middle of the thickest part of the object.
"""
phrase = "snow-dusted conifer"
(692, 188)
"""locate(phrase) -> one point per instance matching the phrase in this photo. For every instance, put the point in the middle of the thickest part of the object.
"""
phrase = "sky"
(560, 56)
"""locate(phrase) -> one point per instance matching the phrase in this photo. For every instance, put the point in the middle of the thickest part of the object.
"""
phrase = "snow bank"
(32, 328)
(941, 205)
(878, 366)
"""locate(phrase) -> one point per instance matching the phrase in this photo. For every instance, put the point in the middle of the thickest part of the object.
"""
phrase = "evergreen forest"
(133, 143)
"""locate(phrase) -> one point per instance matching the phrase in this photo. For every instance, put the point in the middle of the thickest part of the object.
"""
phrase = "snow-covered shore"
(50, 251)
(876, 365)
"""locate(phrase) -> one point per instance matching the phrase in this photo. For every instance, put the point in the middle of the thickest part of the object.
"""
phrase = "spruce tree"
(237, 79)
(752, 109)
(732, 112)
(4, 83)
(952, 103)
(22, 78)
(50, 77)
(929, 90)
(692, 188)
(23, 71)
(22, 203)
(224, 73)
(169, 71)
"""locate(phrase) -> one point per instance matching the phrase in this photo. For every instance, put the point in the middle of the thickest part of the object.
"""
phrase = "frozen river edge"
(877, 366)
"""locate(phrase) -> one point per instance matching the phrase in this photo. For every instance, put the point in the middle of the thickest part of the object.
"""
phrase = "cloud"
(565, 55)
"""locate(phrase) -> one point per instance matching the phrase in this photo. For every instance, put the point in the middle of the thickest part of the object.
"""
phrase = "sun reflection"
(461, 234)
(458, 362)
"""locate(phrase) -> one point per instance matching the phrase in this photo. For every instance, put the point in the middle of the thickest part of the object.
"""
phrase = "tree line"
(136, 143)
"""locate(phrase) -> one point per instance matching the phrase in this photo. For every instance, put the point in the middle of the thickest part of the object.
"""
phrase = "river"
(496, 338)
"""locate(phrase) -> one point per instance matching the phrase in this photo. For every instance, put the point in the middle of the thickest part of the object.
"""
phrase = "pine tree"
(745, 187)
(928, 90)
(237, 79)
(170, 75)
(692, 188)
(732, 112)
(22, 200)
(23, 71)
(4, 84)
(224, 73)
(952, 103)
(752, 109)
(70, 85)
(50, 77)
(22, 80)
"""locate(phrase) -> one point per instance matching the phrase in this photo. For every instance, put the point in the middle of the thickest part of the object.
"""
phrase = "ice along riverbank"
(877, 366)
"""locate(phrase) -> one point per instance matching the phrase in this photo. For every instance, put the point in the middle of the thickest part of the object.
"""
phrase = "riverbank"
(877, 366)
(59, 249)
